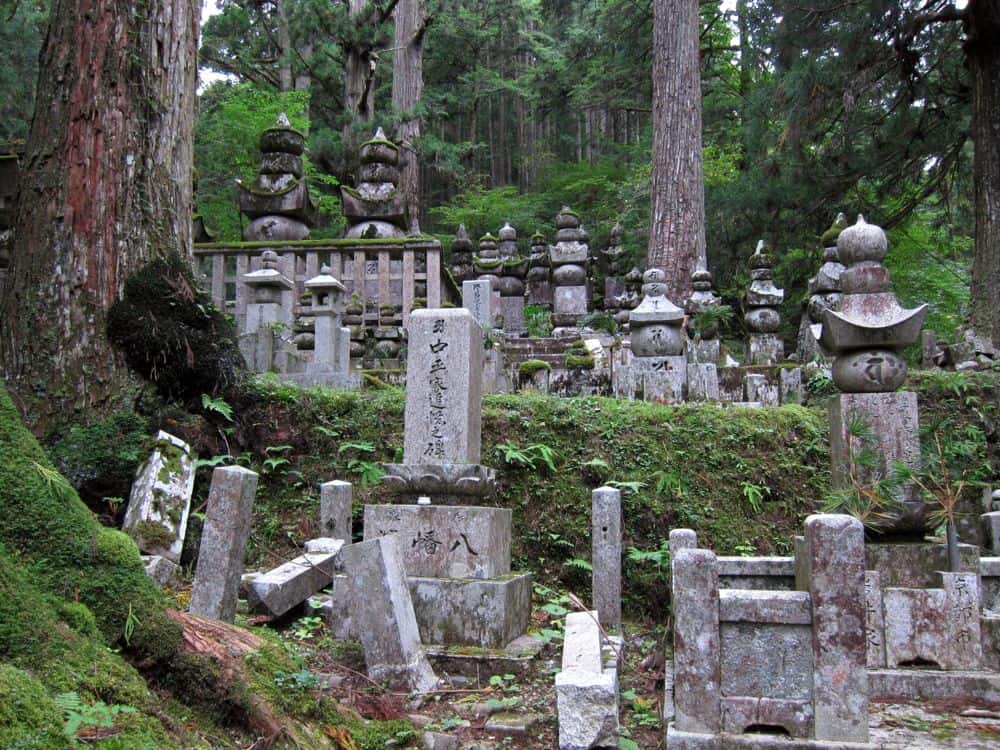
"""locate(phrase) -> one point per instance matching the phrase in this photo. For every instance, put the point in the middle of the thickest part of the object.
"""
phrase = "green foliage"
(529, 456)
(217, 406)
(537, 320)
(79, 715)
(530, 366)
(29, 717)
(106, 451)
(21, 35)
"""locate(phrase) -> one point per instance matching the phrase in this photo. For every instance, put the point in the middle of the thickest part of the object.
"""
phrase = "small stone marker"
(223, 541)
(476, 298)
(606, 555)
(383, 615)
(335, 510)
(288, 585)
(792, 390)
(160, 500)
(443, 414)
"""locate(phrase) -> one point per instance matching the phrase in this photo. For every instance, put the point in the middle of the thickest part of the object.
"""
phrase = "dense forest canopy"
(527, 105)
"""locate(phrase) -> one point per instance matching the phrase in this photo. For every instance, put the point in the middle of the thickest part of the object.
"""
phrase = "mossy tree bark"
(677, 189)
(407, 88)
(106, 187)
(982, 28)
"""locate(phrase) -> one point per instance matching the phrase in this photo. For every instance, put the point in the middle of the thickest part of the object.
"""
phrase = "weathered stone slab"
(779, 607)
(790, 382)
(989, 583)
(228, 517)
(156, 517)
(512, 310)
(680, 740)
(703, 382)
(446, 541)
(697, 649)
(569, 301)
(704, 351)
(477, 299)
(769, 660)
(471, 612)
(335, 499)
(606, 555)
(991, 530)
(765, 349)
(586, 690)
(835, 545)
(582, 642)
(443, 417)
(290, 584)
(759, 389)
(964, 641)
(755, 567)
(383, 615)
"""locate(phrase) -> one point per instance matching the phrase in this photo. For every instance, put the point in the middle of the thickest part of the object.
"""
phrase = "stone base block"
(470, 612)
(587, 705)
(916, 565)
(742, 713)
(652, 379)
(692, 741)
(932, 684)
(704, 352)
(765, 349)
(792, 390)
(512, 309)
(440, 541)
(759, 388)
(482, 663)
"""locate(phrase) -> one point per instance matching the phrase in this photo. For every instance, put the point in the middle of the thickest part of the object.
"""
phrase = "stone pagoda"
(762, 317)
(824, 294)
(487, 266)
(703, 344)
(278, 203)
(539, 282)
(657, 367)
(375, 209)
(456, 553)
(617, 299)
(570, 257)
(461, 256)
(512, 275)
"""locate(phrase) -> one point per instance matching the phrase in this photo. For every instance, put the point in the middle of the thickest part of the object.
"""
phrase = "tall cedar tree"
(407, 86)
(677, 189)
(106, 186)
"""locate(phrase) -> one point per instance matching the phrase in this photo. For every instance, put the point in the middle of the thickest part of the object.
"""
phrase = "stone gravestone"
(223, 541)
(456, 554)
(160, 500)
(606, 555)
(335, 499)
(476, 298)
(384, 616)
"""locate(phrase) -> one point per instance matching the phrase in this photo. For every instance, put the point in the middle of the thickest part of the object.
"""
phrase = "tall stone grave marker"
(160, 500)
(223, 542)
(570, 257)
(457, 555)
(762, 317)
(606, 555)
(477, 299)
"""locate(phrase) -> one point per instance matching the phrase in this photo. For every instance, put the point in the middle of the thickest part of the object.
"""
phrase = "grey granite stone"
(223, 540)
(160, 569)
(161, 495)
(759, 388)
(765, 349)
(742, 713)
(836, 548)
(472, 612)
(766, 660)
(384, 617)
(477, 299)
(781, 607)
(446, 541)
(443, 417)
(792, 391)
(290, 584)
(606, 555)
(335, 500)
(874, 620)
(991, 530)
(697, 650)
(703, 382)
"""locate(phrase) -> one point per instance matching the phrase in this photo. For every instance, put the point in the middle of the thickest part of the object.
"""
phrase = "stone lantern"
(267, 288)
(332, 349)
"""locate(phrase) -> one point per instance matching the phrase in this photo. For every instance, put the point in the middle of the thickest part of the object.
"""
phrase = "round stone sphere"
(657, 340)
(569, 275)
(869, 371)
(511, 286)
(386, 348)
(276, 228)
(861, 242)
(763, 320)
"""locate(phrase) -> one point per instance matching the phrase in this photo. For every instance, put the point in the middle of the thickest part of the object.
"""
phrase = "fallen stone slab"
(279, 590)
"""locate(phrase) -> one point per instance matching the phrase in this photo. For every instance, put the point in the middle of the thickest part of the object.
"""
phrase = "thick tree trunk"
(677, 190)
(106, 186)
(983, 54)
(407, 88)
(285, 45)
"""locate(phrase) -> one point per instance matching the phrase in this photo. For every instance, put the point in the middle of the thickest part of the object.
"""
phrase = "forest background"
(527, 105)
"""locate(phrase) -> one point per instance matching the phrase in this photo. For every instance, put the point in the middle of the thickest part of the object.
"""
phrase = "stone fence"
(381, 272)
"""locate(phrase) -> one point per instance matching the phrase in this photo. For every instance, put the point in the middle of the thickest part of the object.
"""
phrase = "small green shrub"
(530, 366)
